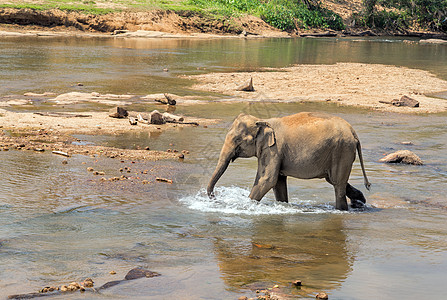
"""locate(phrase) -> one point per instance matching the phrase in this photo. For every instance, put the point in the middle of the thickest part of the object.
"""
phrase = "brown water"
(59, 223)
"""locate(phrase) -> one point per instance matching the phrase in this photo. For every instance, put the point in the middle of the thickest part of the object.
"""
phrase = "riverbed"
(60, 223)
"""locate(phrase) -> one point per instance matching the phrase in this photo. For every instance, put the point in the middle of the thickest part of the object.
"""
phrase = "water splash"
(235, 200)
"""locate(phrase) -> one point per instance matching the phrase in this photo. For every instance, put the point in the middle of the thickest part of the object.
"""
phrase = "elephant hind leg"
(340, 197)
(280, 189)
(356, 196)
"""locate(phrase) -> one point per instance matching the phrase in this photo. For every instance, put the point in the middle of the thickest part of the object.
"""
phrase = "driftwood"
(319, 34)
(172, 118)
(167, 100)
(404, 101)
(61, 153)
(120, 113)
(247, 87)
(141, 119)
(64, 115)
(133, 121)
(163, 180)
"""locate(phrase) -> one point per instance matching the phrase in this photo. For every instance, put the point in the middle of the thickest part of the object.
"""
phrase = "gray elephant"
(305, 145)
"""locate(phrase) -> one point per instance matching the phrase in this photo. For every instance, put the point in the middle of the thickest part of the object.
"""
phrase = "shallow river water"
(59, 223)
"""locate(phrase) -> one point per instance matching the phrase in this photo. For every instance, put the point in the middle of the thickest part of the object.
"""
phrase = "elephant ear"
(265, 137)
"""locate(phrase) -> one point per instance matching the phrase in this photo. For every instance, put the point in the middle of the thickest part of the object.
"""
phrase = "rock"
(64, 288)
(112, 273)
(404, 101)
(90, 169)
(433, 41)
(156, 118)
(140, 273)
(120, 113)
(242, 298)
(297, 283)
(247, 87)
(64, 162)
(402, 156)
(88, 283)
(181, 156)
(322, 295)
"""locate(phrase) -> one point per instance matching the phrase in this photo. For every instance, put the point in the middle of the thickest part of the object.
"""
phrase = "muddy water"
(60, 223)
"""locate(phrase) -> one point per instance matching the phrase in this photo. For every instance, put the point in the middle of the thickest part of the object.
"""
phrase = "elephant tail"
(359, 150)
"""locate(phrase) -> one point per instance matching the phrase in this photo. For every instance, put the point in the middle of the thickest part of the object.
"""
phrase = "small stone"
(169, 150)
(185, 151)
(181, 156)
(144, 182)
(88, 283)
(322, 295)
(242, 298)
(112, 273)
(90, 169)
(79, 84)
(64, 288)
(297, 283)
(175, 150)
(147, 148)
(276, 286)
(65, 162)
(145, 171)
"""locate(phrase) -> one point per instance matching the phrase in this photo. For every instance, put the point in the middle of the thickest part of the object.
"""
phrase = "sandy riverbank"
(349, 84)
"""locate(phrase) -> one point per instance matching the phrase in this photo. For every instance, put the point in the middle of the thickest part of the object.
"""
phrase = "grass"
(282, 14)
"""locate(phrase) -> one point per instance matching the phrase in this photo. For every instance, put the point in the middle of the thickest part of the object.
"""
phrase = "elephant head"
(247, 137)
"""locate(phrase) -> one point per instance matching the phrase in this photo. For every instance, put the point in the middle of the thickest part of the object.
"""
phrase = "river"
(59, 224)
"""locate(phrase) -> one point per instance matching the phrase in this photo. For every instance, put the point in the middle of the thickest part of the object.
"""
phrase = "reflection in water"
(278, 250)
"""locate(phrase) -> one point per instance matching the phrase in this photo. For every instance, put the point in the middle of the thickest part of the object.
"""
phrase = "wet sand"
(348, 84)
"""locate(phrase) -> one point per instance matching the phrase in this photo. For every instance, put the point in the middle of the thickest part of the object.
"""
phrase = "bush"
(282, 14)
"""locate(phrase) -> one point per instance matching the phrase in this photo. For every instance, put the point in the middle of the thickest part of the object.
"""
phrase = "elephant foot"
(356, 196)
(357, 204)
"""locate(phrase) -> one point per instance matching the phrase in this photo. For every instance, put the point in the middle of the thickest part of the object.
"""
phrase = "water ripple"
(235, 200)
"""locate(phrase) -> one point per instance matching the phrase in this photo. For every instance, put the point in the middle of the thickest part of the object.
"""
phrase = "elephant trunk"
(224, 160)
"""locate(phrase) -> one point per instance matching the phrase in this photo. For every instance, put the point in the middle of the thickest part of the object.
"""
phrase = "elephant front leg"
(262, 185)
(266, 179)
(280, 189)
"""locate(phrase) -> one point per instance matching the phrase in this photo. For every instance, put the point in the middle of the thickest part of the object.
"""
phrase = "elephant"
(305, 145)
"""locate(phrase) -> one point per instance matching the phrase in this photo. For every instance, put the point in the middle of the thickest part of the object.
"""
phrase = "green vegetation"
(282, 14)
(404, 14)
